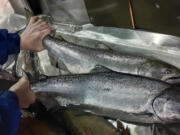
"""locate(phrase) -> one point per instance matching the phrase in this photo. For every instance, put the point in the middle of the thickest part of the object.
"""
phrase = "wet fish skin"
(24, 64)
(78, 59)
(117, 95)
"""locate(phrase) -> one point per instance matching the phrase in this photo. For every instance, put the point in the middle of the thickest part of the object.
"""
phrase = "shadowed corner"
(6, 84)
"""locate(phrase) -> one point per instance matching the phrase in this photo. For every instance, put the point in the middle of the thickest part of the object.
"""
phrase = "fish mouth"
(172, 76)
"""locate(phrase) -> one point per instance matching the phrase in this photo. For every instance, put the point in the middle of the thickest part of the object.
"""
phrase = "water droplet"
(157, 5)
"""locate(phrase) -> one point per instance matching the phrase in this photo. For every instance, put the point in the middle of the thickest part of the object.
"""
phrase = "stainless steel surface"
(112, 13)
(150, 15)
(9, 20)
(66, 11)
(15, 23)
(18, 6)
(5, 11)
(161, 16)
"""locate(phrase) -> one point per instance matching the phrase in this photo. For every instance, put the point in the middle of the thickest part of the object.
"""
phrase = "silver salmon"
(78, 59)
(150, 45)
(117, 95)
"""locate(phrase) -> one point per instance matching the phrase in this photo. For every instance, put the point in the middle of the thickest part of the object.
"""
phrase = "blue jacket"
(9, 106)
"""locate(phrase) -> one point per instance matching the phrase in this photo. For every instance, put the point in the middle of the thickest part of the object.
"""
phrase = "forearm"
(9, 113)
(9, 44)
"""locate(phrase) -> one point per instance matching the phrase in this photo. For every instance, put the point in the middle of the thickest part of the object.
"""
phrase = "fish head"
(160, 70)
(168, 72)
(167, 105)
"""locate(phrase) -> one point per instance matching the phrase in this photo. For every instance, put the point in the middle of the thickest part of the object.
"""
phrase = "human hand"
(22, 89)
(31, 38)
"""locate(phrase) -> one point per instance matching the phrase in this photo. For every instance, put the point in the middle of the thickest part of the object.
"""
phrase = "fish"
(24, 64)
(78, 59)
(154, 46)
(127, 97)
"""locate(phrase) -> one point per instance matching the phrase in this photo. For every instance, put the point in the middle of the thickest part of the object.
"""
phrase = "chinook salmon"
(155, 46)
(117, 95)
(78, 59)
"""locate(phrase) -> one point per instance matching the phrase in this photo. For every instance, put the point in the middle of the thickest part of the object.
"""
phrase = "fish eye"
(167, 71)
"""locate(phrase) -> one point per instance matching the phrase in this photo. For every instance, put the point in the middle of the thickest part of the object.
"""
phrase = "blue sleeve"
(10, 114)
(9, 44)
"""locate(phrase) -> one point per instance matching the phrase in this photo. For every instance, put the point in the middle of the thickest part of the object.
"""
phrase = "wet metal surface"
(18, 6)
(66, 11)
(113, 13)
(9, 20)
(5, 11)
(161, 16)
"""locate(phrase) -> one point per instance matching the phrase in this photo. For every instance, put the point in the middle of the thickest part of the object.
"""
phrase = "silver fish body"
(78, 59)
(146, 44)
(24, 63)
(127, 97)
